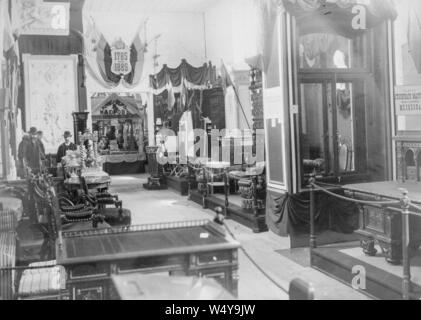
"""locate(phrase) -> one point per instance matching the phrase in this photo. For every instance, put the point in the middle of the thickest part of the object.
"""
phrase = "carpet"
(300, 256)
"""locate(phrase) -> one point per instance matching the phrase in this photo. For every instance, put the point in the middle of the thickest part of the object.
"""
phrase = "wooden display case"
(119, 119)
(195, 248)
(408, 158)
(383, 224)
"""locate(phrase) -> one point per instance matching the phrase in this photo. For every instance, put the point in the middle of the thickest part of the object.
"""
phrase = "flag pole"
(241, 106)
(236, 94)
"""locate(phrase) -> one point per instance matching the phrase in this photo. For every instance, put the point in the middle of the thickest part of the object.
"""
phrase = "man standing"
(33, 155)
(66, 146)
(21, 155)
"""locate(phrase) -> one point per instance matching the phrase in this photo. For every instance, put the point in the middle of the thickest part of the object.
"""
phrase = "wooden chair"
(7, 262)
(300, 290)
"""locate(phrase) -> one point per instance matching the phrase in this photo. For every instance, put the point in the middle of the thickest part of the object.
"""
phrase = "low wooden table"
(194, 248)
(384, 223)
(73, 185)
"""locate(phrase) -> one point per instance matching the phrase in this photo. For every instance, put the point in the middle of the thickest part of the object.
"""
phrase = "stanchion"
(254, 195)
(226, 191)
(405, 203)
(205, 189)
(406, 284)
(313, 241)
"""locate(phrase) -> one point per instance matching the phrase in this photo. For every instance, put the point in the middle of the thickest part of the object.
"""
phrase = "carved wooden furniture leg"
(226, 191)
(205, 189)
(368, 246)
(393, 252)
(254, 195)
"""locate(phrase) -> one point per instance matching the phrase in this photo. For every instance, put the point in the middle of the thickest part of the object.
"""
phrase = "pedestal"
(157, 179)
(80, 124)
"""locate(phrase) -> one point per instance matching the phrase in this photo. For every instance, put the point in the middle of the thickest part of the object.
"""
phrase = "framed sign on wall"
(36, 17)
(408, 100)
(51, 95)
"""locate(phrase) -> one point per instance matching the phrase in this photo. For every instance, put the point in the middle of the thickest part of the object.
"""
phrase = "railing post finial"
(312, 182)
(406, 283)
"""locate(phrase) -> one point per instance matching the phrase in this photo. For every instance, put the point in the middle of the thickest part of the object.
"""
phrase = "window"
(331, 51)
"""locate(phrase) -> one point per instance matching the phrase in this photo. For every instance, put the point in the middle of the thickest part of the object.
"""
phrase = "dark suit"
(61, 152)
(33, 155)
(41, 144)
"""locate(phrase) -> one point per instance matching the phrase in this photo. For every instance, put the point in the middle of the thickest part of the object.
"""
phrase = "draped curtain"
(186, 74)
(414, 34)
(289, 214)
(323, 15)
(268, 14)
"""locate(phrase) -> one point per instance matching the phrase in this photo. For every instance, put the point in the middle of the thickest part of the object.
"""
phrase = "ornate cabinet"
(80, 123)
(408, 153)
(256, 90)
(382, 224)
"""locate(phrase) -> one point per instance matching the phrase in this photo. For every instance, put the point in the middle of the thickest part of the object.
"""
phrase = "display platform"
(124, 168)
(234, 211)
(383, 281)
(156, 184)
(382, 224)
(180, 185)
(123, 163)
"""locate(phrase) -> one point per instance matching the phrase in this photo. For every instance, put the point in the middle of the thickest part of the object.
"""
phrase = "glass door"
(316, 127)
(332, 126)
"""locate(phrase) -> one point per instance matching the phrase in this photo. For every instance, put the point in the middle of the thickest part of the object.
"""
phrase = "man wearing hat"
(66, 146)
(33, 154)
(21, 154)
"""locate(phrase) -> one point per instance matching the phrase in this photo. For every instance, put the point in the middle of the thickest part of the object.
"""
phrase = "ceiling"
(148, 6)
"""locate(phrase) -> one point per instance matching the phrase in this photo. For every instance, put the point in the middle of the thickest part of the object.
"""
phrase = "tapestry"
(51, 96)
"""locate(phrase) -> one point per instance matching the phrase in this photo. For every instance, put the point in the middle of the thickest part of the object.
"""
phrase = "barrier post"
(313, 242)
(406, 284)
(226, 190)
(205, 189)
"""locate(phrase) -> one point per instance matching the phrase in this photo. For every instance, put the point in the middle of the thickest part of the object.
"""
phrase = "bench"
(7, 261)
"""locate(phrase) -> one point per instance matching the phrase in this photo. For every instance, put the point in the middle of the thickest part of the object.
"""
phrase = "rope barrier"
(381, 203)
(405, 205)
(416, 208)
(248, 256)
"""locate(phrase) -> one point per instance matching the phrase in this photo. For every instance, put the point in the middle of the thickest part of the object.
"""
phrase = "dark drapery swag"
(196, 76)
(174, 114)
(289, 214)
(321, 15)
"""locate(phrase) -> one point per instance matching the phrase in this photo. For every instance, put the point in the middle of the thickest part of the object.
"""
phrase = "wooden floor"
(383, 280)
(271, 252)
(169, 206)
